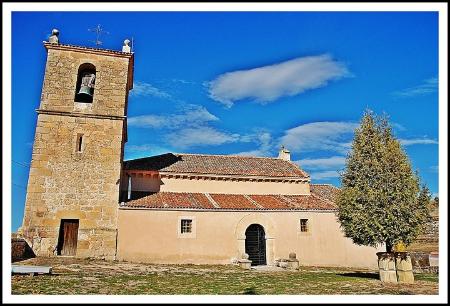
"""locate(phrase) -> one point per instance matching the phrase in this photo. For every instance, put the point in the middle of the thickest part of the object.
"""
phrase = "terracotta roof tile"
(325, 191)
(309, 202)
(173, 200)
(217, 164)
(233, 201)
(272, 202)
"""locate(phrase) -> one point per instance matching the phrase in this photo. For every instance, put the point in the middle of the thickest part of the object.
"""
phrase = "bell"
(85, 90)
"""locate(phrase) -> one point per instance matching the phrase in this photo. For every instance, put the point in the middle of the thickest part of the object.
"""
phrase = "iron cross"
(98, 31)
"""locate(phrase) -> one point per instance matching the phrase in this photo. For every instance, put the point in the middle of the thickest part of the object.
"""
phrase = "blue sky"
(245, 83)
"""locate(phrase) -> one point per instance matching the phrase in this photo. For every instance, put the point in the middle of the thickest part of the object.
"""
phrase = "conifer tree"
(380, 201)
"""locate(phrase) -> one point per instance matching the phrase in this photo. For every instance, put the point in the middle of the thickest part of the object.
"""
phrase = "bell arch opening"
(255, 244)
(84, 90)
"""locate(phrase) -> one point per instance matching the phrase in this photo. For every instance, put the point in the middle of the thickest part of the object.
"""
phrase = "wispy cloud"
(199, 136)
(143, 89)
(264, 143)
(320, 136)
(182, 81)
(398, 126)
(268, 83)
(191, 115)
(434, 169)
(428, 86)
(415, 141)
(324, 175)
(333, 162)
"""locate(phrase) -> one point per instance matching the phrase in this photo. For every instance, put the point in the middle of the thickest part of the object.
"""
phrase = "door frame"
(61, 236)
(261, 248)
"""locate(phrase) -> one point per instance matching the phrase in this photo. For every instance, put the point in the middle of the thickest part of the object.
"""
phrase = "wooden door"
(255, 244)
(68, 237)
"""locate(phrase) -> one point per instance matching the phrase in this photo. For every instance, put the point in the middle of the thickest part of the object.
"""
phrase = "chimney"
(284, 154)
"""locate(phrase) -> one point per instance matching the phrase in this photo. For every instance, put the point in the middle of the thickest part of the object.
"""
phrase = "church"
(84, 200)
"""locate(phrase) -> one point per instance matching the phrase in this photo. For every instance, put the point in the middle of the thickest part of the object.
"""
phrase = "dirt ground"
(85, 276)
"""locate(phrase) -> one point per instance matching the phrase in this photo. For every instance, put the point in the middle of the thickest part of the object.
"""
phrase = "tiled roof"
(173, 200)
(326, 191)
(218, 165)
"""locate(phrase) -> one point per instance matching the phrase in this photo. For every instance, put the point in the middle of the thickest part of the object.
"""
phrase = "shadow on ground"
(250, 290)
(371, 275)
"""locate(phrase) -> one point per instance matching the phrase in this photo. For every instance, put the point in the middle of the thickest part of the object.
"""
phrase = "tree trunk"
(388, 246)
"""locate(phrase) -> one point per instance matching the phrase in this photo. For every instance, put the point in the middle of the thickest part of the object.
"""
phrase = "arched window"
(84, 91)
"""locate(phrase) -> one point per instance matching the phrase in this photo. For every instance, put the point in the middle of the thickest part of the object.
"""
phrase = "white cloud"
(398, 126)
(324, 175)
(320, 136)
(191, 115)
(434, 169)
(268, 83)
(428, 86)
(414, 141)
(199, 136)
(334, 162)
(264, 141)
(147, 89)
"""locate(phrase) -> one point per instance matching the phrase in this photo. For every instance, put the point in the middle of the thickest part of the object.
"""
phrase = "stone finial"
(245, 256)
(126, 48)
(284, 153)
(54, 37)
(292, 256)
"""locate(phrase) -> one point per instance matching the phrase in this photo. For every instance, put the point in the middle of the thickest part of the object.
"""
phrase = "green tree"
(380, 201)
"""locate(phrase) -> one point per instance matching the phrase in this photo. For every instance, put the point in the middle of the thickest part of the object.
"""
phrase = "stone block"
(405, 277)
(387, 269)
(434, 259)
(293, 264)
(388, 276)
(245, 264)
(83, 244)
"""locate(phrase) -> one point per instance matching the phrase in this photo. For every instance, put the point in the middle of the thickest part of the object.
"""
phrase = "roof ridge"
(331, 185)
(228, 155)
(86, 48)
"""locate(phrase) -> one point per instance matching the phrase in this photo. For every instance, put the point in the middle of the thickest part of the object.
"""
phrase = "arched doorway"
(255, 244)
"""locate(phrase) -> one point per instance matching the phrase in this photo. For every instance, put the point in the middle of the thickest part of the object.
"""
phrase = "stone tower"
(73, 187)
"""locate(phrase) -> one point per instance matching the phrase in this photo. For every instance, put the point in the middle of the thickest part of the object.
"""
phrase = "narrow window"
(79, 142)
(186, 226)
(129, 187)
(303, 225)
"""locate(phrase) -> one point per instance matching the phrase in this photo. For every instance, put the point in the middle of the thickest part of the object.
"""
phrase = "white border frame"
(255, 7)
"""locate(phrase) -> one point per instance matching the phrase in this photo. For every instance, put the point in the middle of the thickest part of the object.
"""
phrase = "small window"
(303, 225)
(79, 143)
(186, 226)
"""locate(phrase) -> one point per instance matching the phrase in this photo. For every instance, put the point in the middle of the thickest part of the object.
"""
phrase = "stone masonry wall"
(64, 183)
(61, 72)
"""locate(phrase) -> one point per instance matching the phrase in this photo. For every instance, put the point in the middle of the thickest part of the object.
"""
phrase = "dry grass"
(83, 276)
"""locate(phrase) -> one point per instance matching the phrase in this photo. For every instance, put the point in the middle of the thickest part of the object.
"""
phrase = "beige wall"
(152, 236)
(155, 184)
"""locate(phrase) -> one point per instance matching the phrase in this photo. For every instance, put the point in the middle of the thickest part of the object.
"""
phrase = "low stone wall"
(20, 250)
(421, 262)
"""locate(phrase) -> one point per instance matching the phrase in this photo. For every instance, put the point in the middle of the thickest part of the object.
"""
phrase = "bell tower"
(73, 187)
